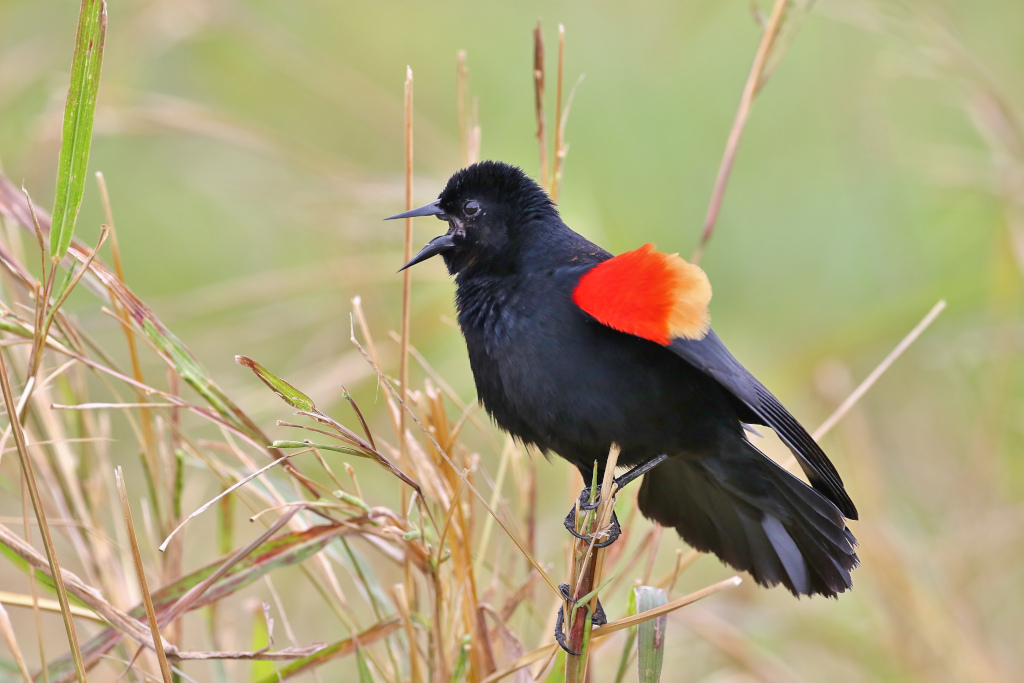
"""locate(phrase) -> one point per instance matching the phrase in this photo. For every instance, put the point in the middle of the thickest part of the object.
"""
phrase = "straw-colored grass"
(426, 570)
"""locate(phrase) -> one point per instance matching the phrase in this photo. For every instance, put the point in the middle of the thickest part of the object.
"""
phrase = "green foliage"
(289, 394)
(79, 112)
(651, 635)
(285, 551)
(877, 174)
(259, 640)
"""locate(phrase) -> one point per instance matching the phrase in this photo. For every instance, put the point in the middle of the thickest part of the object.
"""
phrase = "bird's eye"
(471, 207)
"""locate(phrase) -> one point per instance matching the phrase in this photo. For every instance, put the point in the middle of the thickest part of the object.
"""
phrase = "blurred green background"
(251, 149)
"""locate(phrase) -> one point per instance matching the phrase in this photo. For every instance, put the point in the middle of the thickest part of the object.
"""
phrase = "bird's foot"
(598, 619)
(585, 503)
(620, 481)
(612, 531)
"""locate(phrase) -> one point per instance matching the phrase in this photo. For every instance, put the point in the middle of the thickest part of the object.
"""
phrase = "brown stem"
(538, 89)
(588, 563)
(750, 90)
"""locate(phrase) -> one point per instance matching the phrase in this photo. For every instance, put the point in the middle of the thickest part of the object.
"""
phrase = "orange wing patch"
(659, 297)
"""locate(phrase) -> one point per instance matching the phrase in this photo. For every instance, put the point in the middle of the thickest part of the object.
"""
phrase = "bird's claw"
(598, 619)
(613, 530)
(585, 503)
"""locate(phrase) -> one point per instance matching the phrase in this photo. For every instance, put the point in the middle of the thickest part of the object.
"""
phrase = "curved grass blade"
(76, 135)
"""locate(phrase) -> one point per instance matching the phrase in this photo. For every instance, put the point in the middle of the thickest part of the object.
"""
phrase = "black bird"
(574, 349)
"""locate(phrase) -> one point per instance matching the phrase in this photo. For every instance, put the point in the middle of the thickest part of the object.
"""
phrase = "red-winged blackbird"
(573, 349)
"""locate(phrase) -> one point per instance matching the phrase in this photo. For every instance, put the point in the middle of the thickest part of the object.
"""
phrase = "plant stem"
(750, 90)
(588, 563)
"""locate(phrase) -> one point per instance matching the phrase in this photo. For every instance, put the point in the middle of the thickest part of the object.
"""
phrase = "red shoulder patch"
(659, 297)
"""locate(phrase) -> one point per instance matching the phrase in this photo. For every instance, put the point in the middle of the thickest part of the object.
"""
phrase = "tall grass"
(446, 617)
(433, 570)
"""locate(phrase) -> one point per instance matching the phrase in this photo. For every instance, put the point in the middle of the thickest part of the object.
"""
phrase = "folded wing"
(710, 356)
(662, 298)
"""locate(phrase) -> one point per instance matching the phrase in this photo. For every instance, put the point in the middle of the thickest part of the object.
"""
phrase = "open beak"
(434, 247)
(431, 209)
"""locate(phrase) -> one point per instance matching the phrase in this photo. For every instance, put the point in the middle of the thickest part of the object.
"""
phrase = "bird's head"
(488, 207)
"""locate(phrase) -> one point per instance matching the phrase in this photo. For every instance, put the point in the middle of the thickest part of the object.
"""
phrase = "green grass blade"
(289, 394)
(650, 634)
(337, 649)
(76, 136)
(364, 669)
(260, 639)
(459, 672)
(42, 577)
(285, 443)
(285, 551)
(627, 647)
(557, 673)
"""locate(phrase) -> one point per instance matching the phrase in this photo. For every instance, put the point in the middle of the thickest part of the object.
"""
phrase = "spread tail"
(755, 516)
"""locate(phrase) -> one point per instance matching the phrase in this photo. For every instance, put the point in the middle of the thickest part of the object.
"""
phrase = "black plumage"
(553, 376)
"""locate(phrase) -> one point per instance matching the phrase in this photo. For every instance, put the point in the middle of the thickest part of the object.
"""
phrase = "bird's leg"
(621, 481)
(639, 470)
(585, 503)
(598, 619)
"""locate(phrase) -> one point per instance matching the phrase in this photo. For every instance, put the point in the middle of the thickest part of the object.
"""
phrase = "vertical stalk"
(559, 155)
(538, 90)
(750, 90)
(409, 585)
(149, 451)
(140, 571)
(37, 505)
(462, 105)
(588, 563)
(403, 372)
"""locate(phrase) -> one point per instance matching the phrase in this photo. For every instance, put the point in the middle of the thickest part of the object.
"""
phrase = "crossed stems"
(613, 531)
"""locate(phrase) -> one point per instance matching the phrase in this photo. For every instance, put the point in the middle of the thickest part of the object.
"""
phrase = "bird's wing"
(648, 294)
(662, 298)
(710, 356)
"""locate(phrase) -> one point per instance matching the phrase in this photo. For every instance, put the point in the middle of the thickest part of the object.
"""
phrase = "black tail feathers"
(755, 516)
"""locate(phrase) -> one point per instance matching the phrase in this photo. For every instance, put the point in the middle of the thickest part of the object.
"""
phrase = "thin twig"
(204, 507)
(140, 571)
(462, 105)
(614, 626)
(12, 643)
(556, 171)
(588, 563)
(37, 505)
(790, 461)
(750, 90)
(476, 492)
(145, 416)
(403, 373)
(870, 380)
(185, 602)
(538, 91)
